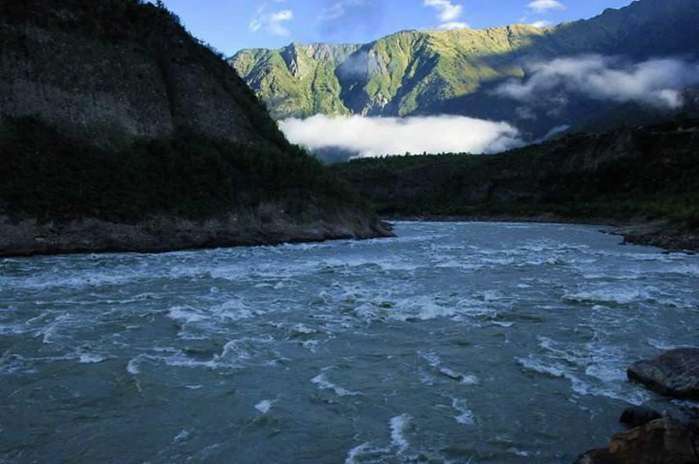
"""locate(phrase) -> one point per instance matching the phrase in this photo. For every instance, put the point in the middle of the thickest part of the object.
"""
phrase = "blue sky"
(230, 25)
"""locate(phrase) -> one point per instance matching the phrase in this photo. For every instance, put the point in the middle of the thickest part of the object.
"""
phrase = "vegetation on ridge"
(50, 176)
(455, 72)
(644, 173)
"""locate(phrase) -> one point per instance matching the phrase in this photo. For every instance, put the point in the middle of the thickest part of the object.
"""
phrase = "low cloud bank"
(375, 136)
(658, 83)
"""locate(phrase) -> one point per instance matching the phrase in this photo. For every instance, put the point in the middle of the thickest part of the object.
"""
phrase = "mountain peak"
(454, 71)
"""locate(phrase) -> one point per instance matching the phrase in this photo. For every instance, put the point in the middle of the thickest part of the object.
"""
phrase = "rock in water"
(675, 373)
(637, 415)
(662, 441)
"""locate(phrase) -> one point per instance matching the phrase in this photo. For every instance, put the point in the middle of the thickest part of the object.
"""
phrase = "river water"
(453, 343)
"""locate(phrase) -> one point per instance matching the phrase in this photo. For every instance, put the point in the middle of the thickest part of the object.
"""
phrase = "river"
(452, 343)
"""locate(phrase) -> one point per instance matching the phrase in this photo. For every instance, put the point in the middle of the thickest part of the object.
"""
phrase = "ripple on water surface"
(453, 342)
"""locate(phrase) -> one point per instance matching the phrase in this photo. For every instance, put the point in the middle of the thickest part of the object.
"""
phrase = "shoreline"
(160, 235)
(659, 234)
(98, 237)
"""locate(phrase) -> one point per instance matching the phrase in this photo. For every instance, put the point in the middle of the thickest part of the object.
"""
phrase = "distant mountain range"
(456, 72)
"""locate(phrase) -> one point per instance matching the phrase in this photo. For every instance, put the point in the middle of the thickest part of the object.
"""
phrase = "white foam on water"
(265, 406)
(134, 365)
(323, 383)
(505, 325)
(91, 358)
(185, 314)
(541, 367)
(436, 363)
(356, 452)
(592, 370)
(422, 308)
(182, 436)
(465, 416)
(399, 425)
(618, 295)
(666, 346)
(302, 329)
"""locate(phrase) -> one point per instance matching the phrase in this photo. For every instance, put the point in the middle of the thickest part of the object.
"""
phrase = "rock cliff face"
(117, 68)
(662, 441)
(121, 132)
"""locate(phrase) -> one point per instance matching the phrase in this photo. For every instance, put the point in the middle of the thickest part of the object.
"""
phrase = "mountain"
(455, 72)
(120, 131)
(644, 175)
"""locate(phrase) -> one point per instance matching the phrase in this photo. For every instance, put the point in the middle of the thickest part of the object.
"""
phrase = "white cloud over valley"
(658, 83)
(375, 136)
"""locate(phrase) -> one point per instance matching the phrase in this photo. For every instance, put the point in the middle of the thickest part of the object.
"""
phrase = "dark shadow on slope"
(644, 30)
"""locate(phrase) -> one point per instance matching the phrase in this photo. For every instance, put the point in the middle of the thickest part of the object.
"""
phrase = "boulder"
(638, 415)
(662, 441)
(675, 373)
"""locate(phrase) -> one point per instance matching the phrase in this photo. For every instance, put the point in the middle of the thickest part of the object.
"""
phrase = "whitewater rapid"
(452, 343)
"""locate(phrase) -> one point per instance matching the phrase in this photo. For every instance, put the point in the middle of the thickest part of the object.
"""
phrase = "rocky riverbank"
(654, 438)
(661, 234)
(160, 234)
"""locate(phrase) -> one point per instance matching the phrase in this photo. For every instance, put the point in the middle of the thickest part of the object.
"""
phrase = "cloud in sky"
(339, 8)
(448, 13)
(272, 22)
(542, 6)
(541, 24)
(658, 83)
(347, 17)
(375, 136)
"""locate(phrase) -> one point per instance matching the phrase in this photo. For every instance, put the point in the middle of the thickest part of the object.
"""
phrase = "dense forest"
(640, 173)
(48, 175)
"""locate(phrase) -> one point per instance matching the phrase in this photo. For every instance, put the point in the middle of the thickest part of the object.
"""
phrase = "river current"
(452, 343)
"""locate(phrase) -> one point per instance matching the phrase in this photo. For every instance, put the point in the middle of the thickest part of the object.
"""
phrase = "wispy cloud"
(448, 13)
(658, 83)
(339, 8)
(272, 22)
(542, 6)
(346, 17)
(367, 136)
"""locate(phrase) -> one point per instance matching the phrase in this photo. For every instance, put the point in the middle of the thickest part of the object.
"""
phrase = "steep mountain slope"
(120, 131)
(435, 72)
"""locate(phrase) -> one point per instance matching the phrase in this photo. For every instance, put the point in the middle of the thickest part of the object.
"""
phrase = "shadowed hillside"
(120, 131)
(639, 175)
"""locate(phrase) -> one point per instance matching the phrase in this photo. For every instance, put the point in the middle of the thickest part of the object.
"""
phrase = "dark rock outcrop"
(118, 69)
(675, 373)
(637, 416)
(662, 441)
(167, 233)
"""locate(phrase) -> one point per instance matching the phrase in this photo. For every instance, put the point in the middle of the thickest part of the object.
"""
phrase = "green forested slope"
(436, 72)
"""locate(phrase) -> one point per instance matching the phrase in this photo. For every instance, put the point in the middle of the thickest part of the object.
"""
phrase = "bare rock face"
(662, 441)
(120, 70)
(637, 416)
(675, 373)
